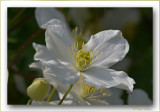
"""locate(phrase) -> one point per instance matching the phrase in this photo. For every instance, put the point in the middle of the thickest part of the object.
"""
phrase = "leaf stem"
(66, 94)
(51, 95)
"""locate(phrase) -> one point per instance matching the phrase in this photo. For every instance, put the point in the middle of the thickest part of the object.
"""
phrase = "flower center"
(83, 59)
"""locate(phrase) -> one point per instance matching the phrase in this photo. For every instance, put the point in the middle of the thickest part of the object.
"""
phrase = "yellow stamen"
(82, 57)
(87, 91)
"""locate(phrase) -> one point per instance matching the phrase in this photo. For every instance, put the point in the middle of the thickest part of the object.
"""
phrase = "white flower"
(139, 97)
(62, 61)
(84, 94)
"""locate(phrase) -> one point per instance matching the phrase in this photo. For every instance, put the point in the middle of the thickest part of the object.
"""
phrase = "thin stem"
(24, 46)
(66, 94)
(51, 95)
(30, 102)
(23, 21)
(17, 16)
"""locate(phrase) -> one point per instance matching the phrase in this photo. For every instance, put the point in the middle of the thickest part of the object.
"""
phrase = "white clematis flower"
(61, 60)
(84, 94)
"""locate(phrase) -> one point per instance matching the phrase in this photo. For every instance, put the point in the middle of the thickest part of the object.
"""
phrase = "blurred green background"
(136, 25)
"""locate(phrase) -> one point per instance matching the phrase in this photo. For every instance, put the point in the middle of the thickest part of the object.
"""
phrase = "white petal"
(41, 103)
(44, 103)
(45, 14)
(58, 41)
(74, 96)
(103, 77)
(61, 72)
(41, 56)
(36, 65)
(110, 44)
(62, 88)
(67, 102)
(58, 85)
(42, 53)
(139, 97)
(69, 96)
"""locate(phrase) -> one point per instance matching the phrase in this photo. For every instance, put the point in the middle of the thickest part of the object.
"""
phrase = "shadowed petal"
(43, 15)
(36, 65)
(103, 77)
(58, 41)
(42, 53)
(52, 103)
(61, 72)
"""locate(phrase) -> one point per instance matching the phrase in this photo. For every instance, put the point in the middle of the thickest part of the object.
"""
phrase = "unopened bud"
(39, 89)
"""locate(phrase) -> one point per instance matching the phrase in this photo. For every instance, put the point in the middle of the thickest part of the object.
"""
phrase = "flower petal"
(42, 53)
(36, 65)
(61, 72)
(58, 85)
(62, 88)
(45, 14)
(139, 97)
(75, 96)
(103, 77)
(110, 44)
(52, 103)
(58, 41)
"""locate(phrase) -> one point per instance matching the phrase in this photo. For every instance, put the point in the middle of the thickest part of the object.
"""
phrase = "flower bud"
(39, 89)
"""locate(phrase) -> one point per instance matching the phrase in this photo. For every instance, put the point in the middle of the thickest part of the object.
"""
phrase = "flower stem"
(66, 94)
(30, 102)
(24, 45)
(51, 95)
(17, 16)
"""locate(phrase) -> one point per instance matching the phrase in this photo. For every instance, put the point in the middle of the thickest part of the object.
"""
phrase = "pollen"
(78, 51)
(83, 58)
